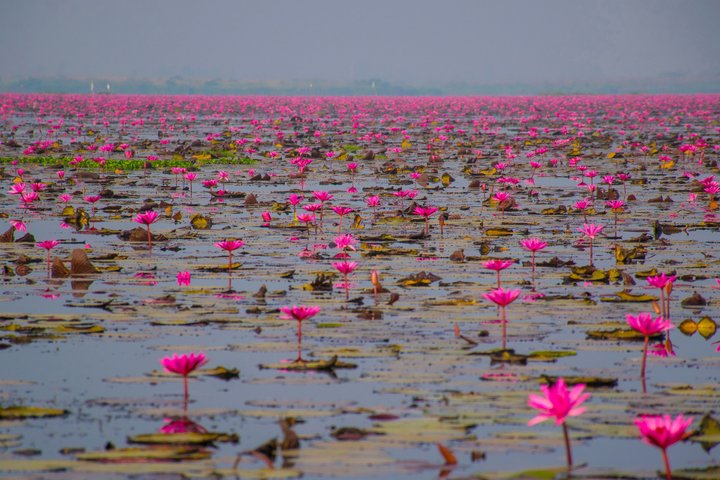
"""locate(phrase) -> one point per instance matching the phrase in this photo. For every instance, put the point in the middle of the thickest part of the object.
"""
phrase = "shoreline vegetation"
(669, 84)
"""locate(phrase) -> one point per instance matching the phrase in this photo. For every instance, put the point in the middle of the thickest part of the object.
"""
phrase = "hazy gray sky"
(417, 42)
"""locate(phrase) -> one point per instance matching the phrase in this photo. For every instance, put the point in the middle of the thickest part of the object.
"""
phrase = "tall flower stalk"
(147, 219)
(663, 431)
(560, 403)
(299, 314)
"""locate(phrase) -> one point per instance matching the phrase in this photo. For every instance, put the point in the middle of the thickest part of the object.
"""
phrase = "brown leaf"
(58, 269)
(290, 438)
(80, 263)
(8, 236)
(447, 454)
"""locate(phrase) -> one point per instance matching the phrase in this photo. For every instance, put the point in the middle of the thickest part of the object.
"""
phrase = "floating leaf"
(550, 355)
(152, 454)
(688, 327)
(200, 222)
(694, 300)
(220, 372)
(498, 232)
(626, 296)
(421, 279)
(508, 356)
(591, 382)
(320, 365)
(708, 433)
(616, 334)
(184, 438)
(706, 327)
(20, 412)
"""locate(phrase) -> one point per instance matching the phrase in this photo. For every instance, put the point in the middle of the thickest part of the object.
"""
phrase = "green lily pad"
(146, 454)
(616, 334)
(550, 355)
(319, 365)
(625, 296)
(20, 412)
(184, 438)
(590, 382)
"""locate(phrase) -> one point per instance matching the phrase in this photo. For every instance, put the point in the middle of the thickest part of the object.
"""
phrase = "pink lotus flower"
(306, 218)
(19, 225)
(300, 314)
(497, 265)
(184, 365)
(502, 297)
(313, 207)
(343, 243)
(533, 245)
(426, 212)
(229, 246)
(17, 189)
(615, 204)
(341, 211)
(661, 281)
(591, 231)
(662, 431)
(266, 218)
(374, 202)
(346, 268)
(323, 196)
(29, 197)
(646, 325)
(48, 245)
(183, 278)
(559, 402)
(147, 219)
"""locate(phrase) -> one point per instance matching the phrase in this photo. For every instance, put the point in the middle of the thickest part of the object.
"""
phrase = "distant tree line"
(183, 86)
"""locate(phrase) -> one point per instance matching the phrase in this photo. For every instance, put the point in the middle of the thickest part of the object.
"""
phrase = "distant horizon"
(370, 86)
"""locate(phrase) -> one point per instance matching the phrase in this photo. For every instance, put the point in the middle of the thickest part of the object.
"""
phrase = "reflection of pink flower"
(181, 425)
(183, 278)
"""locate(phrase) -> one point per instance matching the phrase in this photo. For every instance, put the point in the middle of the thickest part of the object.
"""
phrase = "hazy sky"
(416, 42)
